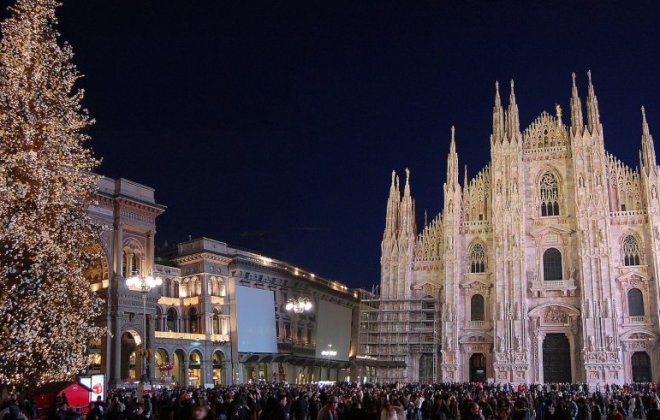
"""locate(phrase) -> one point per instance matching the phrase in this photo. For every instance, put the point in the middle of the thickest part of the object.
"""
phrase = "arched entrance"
(218, 363)
(195, 377)
(478, 368)
(556, 358)
(164, 368)
(641, 367)
(426, 369)
(178, 369)
(131, 362)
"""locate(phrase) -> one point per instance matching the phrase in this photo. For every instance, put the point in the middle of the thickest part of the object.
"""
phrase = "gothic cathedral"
(542, 268)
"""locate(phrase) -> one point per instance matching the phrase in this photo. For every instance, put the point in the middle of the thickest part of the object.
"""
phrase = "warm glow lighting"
(299, 305)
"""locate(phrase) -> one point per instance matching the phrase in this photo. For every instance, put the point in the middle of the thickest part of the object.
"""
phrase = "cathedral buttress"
(601, 349)
(509, 333)
(452, 255)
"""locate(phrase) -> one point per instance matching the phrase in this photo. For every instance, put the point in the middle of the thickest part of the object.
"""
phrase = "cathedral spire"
(513, 119)
(648, 149)
(407, 228)
(465, 179)
(392, 214)
(577, 123)
(498, 115)
(593, 116)
(452, 160)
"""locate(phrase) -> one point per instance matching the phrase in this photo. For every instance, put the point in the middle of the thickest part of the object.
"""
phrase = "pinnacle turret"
(452, 161)
(577, 122)
(407, 227)
(498, 115)
(648, 149)
(512, 116)
(593, 115)
(392, 214)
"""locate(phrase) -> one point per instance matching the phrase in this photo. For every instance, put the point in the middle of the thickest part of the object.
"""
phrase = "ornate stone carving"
(553, 315)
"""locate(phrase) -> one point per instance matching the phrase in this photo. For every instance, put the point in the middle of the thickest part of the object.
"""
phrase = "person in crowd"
(329, 410)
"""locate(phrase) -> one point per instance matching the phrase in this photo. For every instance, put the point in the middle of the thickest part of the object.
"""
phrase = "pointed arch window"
(477, 259)
(477, 312)
(159, 318)
(171, 319)
(216, 322)
(635, 302)
(549, 194)
(192, 316)
(630, 251)
(552, 269)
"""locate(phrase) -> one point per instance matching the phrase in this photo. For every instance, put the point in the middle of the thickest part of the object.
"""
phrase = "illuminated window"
(549, 192)
(477, 259)
(630, 251)
(194, 320)
(171, 319)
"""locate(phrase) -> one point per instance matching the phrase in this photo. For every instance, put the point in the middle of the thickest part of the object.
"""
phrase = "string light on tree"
(46, 183)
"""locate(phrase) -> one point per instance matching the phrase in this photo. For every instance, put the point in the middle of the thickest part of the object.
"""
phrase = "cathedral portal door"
(556, 359)
(641, 367)
(478, 368)
(426, 369)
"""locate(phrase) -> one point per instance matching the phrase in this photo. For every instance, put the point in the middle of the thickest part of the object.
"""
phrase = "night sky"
(274, 126)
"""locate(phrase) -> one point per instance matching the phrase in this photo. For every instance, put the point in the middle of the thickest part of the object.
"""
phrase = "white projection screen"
(333, 331)
(255, 316)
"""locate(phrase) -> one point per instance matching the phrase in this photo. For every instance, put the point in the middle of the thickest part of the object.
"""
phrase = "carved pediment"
(475, 284)
(557, 230)
(554, 314)
(639, 335)
(476, 338)
(632, 278)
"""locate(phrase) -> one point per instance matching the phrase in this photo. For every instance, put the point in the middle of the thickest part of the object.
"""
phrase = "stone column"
(539, 349)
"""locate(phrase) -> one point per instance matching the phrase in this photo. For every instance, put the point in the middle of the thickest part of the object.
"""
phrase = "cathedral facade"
(543, 267)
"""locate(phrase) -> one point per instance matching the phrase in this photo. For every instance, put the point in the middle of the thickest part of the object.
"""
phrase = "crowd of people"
(368, 401)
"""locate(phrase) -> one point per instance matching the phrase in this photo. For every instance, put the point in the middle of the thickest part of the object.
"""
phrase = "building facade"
(186, 331)
(542, 267)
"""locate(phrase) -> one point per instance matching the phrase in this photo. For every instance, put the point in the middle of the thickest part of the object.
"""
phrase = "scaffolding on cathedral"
(402, 334)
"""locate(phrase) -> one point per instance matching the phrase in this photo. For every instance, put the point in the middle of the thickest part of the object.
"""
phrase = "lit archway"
(178, 368)
(131, 362)
(163, 369)
(218, 364)
(195, 370)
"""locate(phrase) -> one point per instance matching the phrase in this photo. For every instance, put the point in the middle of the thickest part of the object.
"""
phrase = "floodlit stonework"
(542, 267)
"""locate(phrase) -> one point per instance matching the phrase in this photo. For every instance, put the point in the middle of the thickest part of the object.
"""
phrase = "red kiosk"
(77, 395)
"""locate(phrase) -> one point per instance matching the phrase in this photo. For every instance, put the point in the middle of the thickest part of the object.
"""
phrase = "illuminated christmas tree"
(47, 240)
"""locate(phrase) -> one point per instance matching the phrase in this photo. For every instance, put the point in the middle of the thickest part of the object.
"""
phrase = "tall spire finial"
(512, 117)
(498, 115)
(593, 116)
(465, 178)
(452, 160)
(577, 123)
(393, 176)
(512, 96)
(407, 176)
(648, 149)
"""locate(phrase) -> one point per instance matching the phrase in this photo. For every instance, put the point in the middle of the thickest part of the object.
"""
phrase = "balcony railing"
(477, 324)
(567, 287)
(179, 335)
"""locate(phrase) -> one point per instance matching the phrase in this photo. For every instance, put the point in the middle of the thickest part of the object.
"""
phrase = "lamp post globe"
(143, 285)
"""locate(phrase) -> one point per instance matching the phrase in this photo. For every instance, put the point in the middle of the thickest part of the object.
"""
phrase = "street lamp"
(144, 286)
(299, 305)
